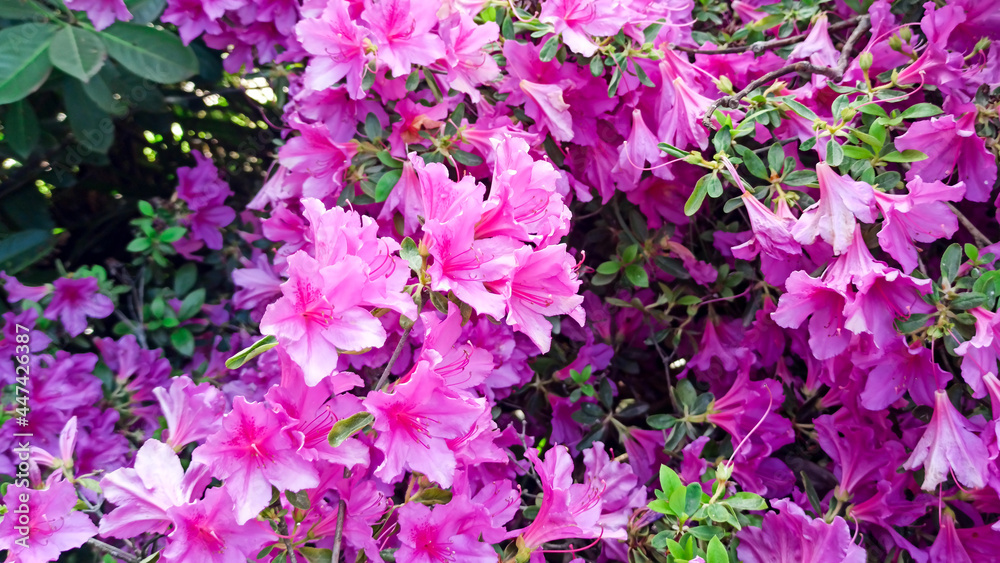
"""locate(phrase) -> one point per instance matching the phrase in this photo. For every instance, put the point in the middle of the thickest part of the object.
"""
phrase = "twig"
(976, 233)
(833, 73)
(112, 550)
(761, 46)
(339, 533)
(394, 357)
(283, 530)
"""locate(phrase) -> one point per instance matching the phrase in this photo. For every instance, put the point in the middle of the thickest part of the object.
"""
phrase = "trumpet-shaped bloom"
(193, 412)
(73, 300)
(313, 327)
(253, 451)
(337, 44)
(841, 199)
(206, 531)
(771, 233)
(948, 444)
(542, 284)
(102, 13)
(416, 421)
(578, 20)
(792, 537)
(448, 533)
(48, 524)
(402, 32)
(810, 297)
(468, 63)
(920, 215)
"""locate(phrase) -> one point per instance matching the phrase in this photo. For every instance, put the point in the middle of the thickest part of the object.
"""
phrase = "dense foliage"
(486, 281)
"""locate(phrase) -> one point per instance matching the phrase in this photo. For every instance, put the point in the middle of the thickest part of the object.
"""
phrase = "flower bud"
(865, 61)
(895, 43)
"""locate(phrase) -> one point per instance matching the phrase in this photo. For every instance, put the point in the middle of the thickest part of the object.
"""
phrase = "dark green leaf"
(753, 162)
(609, 268)
(887, 180)
(916, 111)
(549, 49)
(801, 110)
(251, 352)
(298, 499)
(706, 533)
(950, 262)
(78, 52)
(21, 249)
(24, 62)
(909, 155)
(716, 552)
(315, 554)
(348, 427)
(386, 183)
(185, 278)
(373, 129)
(967, 301)
(636, 274)
(694, 202)
(834, 153)
(775, 157)
(151, 53)
(21, 129)
(145, 11)
(92, 127)
(466, 158)
(800, 178)
(192, 303)
(182, 341)
(692, 498)
(661, 421)
(18, 10)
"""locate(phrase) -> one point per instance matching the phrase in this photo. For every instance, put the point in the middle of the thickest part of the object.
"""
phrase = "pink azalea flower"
(193, 412)
(578, 20)
(792, 537)
(313, 327)
(404, 199)
(548, 108)
(807, 297)
(841, 199)
(898, 369)
(75, 299)
(16, 291)
(568, 510)
(145, 493)
(337, 45)
(316, 154)
(746, 405)
(47, 515)
(259, 285)
(206, 531)
(200, 187)
(850, 446)
(448, 533)
(468, 63)
(402, 32)
(443, 199)
(523, 201)
(920, 215)
(771, 233)
(981, 352)
(253, 451)
(541, 285)
(948, 444)
(415, 422)
(102, 13)
(818, 48)
(462, 366)
(681, 126)
(947, 546)
(463, 265)
(951, 142)
(640, 148)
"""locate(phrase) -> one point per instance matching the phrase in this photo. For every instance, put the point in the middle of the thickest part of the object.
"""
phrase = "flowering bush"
(570, 280)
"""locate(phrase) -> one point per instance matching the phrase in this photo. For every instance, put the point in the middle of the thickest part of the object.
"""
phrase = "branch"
(394, 357)
(833, 73)
(112, 550)
(339, 533)
(761, 46)
(976, 233)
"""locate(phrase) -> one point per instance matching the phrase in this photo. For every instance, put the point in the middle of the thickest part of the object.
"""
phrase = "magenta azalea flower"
(402, 32)
(948, 445)
(578, 20)
(253, 451)
(448, 533)
(47, 516)
(810, 297)
(920, 215)
(790, 536)
(206, 531)
(101, 13)
(75, 299)
(16, 291)
(193, 412)
(468, 63)
(337, 44)
(841, 199)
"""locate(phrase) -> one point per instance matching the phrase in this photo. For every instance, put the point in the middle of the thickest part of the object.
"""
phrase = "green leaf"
(719, 513)
(373, 129)
(661, 421)
(183, 341)
(971, 252)
(23, 248)
(669, 481)
(146, 208)
(887, 179)
(678, 500)
(316, 555)
(950, 262)
(801, 110)
(916, 111)
(661, 506)
(172, 234)
(151, 53)
(858, 153)
(408, 251)
(185, 278)
(637, 275)
(18, 10)
(298, 499)
(24, 64)
(549, 49)
(909, 155)
(466, 158)
(775, 157)
(151, 558)
(706, 533)
(694, 202)
(651, 31)
(21, 129)
(967, 301)
(692, 498)
(746, 501)
(596, 65)
(834, 153)
(872, 109)
(386, 183)
(641, 74)
(78, 52)
(800, 178)
(348, 427)
(672, 150)
(609, 268)
(140, 244)
(251, 352)
(191, 305)
(92, 127)
(716, 552)
(753, 162)
(145, 11)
